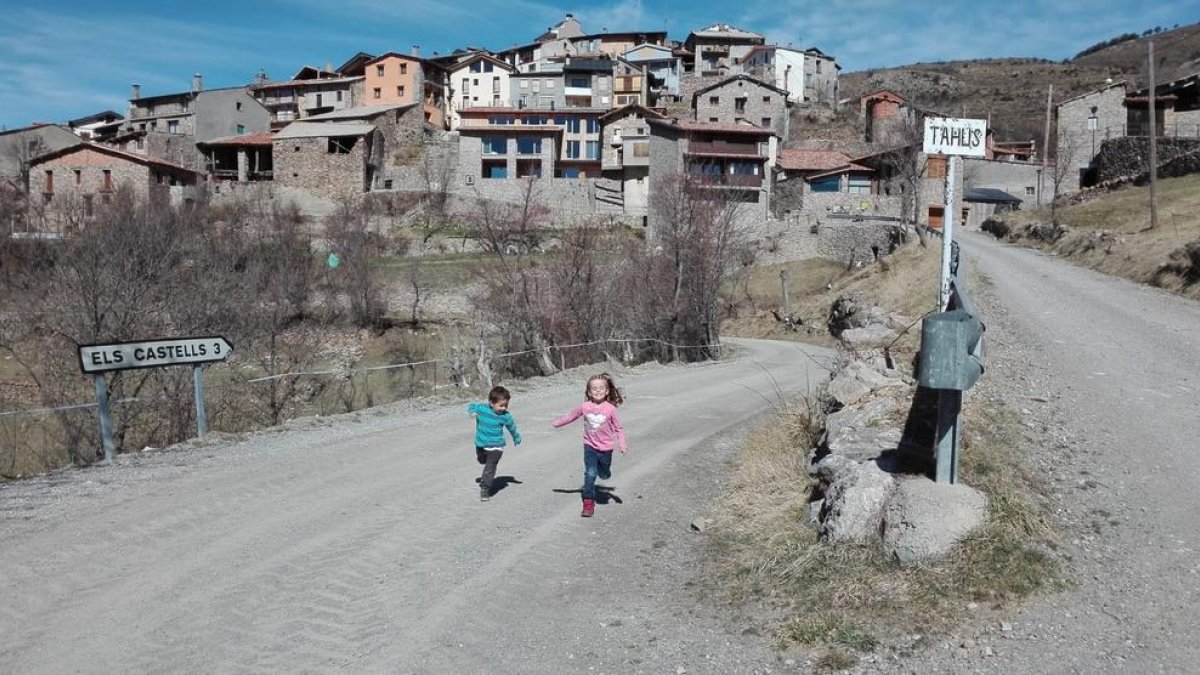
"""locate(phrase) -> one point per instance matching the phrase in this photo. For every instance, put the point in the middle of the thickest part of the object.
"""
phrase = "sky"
(65, 59)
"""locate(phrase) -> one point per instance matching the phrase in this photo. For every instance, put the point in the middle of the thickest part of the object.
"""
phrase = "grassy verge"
(846, 599)
(1110, 234)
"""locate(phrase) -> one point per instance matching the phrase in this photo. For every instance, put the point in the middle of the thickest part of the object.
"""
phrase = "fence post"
(198, 390)
(106, 437)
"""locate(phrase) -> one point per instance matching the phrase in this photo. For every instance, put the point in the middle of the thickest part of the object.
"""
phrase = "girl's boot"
(589, 508)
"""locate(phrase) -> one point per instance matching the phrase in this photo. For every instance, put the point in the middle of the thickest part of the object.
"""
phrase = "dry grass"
(1128, 248)
(852, 598)
(905, 282)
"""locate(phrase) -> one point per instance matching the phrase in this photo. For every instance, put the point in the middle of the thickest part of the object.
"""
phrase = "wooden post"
(106, 426)
(1153, 146)
(783, 283)
(1045, 145)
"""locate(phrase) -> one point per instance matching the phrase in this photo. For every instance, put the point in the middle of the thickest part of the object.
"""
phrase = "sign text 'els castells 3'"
(952, 136)
(153, 353)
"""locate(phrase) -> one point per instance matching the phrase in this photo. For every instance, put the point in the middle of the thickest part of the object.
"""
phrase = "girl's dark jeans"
(595, 464)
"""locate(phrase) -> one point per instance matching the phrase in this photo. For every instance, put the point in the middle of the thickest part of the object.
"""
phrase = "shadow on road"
(604, 494)
(501, 482)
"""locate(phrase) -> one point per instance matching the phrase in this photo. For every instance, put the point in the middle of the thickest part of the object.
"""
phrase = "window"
(713, 120)
(860, 184)
(238, 105)
(495, 85)
(827, 184)
(475, 81)
(572, 149)
(107, 180)
(400, 90)
(379, 70)
(818, 66)
(88, 209)
(529, 145)
(1030, 190)
(339, 95)
(477, 67)
(49, 181)
(714, 100)
(593, 125)
(377, 92)
(766, 99)
(403, 68)
(572, 125)
(766, 122)
(466, 87)
(549, 84)
(320, 100)
(936, 167)
(341, 145)
(78, 177)
(495, 145)
(641, 149)
(567, 172)
(739, 104)
(494, 170)
(500, 120)
(743, 168)
(524, 84)
(593, 149)
(579, 82)
(241, 129)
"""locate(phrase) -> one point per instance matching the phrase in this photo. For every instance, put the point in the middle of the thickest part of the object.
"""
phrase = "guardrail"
(951, 361)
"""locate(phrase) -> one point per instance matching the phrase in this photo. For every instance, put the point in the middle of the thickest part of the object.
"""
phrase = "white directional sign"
(153, 353)
(952, 136)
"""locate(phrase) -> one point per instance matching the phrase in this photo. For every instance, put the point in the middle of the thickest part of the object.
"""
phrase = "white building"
(481, 81)
(808, 75)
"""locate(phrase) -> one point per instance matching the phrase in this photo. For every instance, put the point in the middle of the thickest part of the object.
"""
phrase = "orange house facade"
(402, 79)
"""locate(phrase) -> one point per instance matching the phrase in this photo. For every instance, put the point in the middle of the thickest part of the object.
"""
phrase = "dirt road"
(1106, 376)
(359, 543)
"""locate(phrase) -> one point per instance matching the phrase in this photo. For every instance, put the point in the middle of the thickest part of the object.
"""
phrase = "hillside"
(1012, 91)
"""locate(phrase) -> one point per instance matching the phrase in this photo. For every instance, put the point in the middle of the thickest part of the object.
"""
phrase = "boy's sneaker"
(589, 508)
(484, 495)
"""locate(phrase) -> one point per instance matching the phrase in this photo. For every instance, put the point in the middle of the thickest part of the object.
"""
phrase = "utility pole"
(1045, 145)
(1153, 146)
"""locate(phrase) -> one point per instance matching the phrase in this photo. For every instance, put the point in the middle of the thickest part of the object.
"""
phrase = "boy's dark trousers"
(489, 459)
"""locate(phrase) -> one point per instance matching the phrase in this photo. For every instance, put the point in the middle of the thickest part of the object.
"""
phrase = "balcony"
(722, 148)
(577, 91)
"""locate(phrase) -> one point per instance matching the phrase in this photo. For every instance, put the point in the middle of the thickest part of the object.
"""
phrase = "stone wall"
(307, 164)
(175, 148)
(755, 111)
(841, 239)
(1122, 158)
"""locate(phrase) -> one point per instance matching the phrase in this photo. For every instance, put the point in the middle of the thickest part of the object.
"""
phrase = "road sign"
(953, 136)
(153, 353)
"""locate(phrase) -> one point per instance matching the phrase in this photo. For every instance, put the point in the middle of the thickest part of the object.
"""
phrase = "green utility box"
(951, 350)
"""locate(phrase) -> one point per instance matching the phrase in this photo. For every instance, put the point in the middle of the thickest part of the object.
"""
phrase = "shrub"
(997, 228)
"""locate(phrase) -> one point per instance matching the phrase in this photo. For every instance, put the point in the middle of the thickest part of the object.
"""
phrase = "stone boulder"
(860, 433)
(858, 380)
(871, 335)
(924, 520)
(856, 494)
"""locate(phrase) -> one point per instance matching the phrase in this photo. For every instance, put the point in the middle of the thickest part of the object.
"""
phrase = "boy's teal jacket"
(489, 427)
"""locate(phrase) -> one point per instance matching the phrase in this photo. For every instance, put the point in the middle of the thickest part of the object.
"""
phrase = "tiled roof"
(120, 154)
(323, 130)
(723, 127)
(841, 169)
(302, 83)
(486, 110)
(260, 138)
(795, 159)
(358, 113)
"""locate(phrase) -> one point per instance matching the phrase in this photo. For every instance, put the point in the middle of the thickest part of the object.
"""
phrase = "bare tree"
(436, 170)
(358, 249)
(1061, 171)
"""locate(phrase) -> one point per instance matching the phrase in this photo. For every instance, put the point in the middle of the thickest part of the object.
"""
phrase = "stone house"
(625, 158)
(887, 118)
(347, 152)
(742, 97)
(719, 49)
(1083, 123)
(735, 158)
(243, 159)
(309, 92)
(663, 70)
(630, 85)
(174, 123)
(808, 75)
(19, 147)
(580, 82)
(76, 180)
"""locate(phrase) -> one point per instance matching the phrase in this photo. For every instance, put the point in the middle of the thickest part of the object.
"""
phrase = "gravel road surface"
(359, 543)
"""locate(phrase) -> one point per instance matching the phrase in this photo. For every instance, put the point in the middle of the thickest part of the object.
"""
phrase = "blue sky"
(68, 58)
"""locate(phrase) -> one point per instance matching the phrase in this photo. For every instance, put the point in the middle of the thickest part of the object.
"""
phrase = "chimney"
(416, 50)
(197, 82)
(135, 92)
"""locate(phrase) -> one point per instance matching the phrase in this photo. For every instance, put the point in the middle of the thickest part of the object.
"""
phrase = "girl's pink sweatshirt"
(600, 425)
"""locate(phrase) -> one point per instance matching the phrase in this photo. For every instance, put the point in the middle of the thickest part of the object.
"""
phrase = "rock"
(855, 432)
(855, 498)
(925, 520)
(812, 514)
(854, 382)
(871, 335)
(701, 524)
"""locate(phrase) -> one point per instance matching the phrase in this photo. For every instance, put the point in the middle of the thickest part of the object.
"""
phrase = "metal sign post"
(953, 138)
(96, 360)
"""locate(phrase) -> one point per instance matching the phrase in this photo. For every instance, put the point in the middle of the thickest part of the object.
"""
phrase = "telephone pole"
(1045, 145)
(1153, 146)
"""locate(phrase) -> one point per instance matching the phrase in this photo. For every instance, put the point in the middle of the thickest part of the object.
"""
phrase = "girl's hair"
(614, 395)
